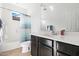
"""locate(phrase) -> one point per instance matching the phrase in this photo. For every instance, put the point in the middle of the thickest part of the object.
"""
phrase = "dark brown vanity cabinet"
(65, 49)
(45, 47)
(41, 46)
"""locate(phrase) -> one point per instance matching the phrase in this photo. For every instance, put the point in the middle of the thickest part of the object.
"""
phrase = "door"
(67, 49)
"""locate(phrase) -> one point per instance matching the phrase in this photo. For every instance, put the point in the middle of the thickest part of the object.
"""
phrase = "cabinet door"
(44, 50)
(68, 49)
(34, 45)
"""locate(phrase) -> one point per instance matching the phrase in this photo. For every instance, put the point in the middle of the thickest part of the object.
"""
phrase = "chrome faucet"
(51, 29)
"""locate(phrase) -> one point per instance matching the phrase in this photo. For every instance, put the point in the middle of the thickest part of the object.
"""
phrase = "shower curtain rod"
(16, 11)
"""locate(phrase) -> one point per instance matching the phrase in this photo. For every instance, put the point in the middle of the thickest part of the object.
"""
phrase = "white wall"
(35, 17)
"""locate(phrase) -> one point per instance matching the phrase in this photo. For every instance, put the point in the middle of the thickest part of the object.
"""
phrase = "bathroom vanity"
(41, 46)
(55, 45)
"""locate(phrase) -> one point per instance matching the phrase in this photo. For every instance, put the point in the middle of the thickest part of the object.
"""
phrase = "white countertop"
(69, 37)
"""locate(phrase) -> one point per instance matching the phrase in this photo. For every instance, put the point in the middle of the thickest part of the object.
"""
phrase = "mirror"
(61, 15)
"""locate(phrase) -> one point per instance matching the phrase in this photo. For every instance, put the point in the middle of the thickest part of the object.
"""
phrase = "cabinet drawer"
(68, 48)
(46, 41)
(61, 54)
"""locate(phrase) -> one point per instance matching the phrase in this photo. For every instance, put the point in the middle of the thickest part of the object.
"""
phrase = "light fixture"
(43, 22)
(51, 8)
